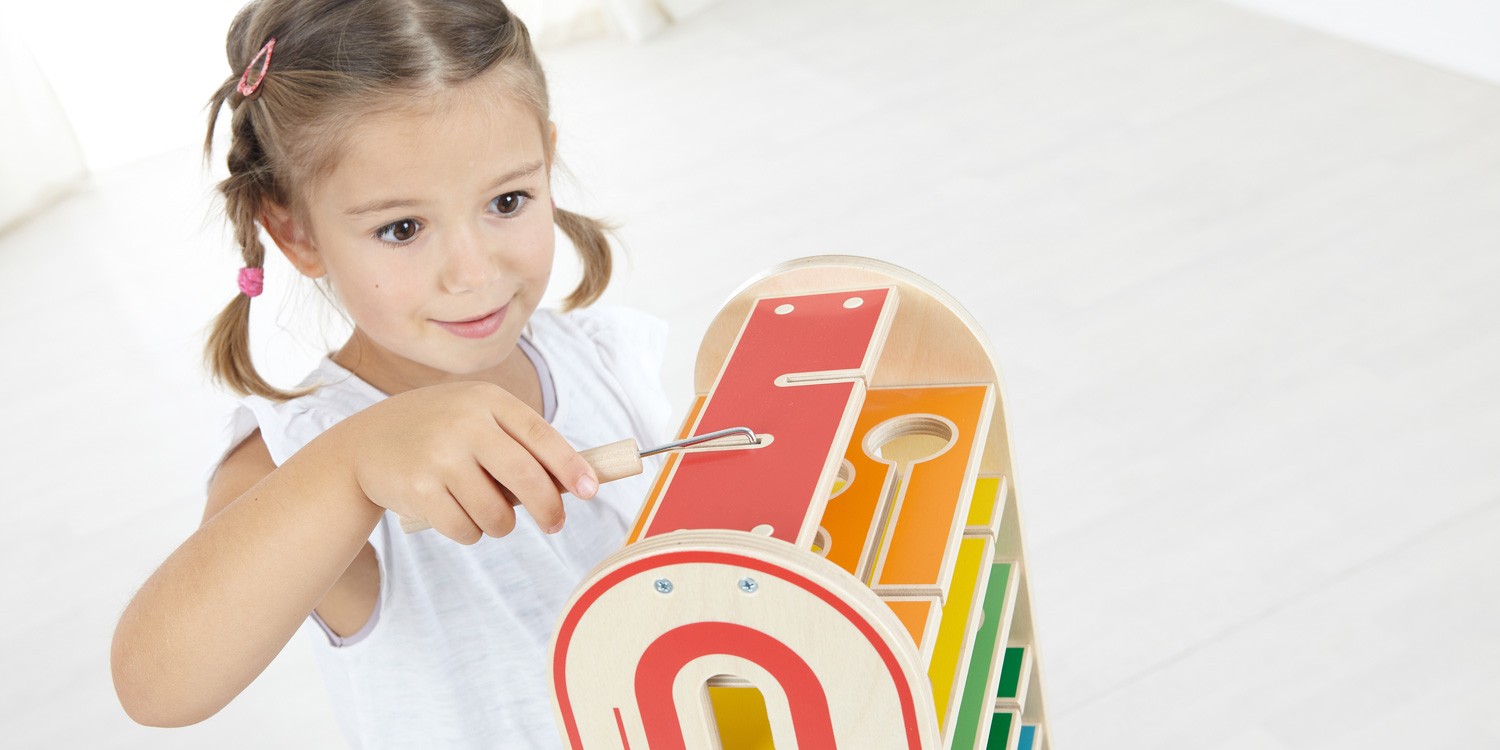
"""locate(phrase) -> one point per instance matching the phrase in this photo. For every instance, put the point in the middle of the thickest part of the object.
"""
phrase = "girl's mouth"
(476, 327)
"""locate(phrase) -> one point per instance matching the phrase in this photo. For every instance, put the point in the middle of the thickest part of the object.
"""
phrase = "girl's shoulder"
(286, 426)
(603, 323)
(618, 335)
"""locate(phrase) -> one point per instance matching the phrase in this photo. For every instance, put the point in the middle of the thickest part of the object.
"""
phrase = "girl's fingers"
(448, 516)
(481, 497)
(548, 448)
(517, 471)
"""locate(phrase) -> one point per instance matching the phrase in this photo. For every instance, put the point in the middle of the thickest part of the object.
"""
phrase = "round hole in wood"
(910, 438)
(764, 529)
(784, 309)
(853, 302)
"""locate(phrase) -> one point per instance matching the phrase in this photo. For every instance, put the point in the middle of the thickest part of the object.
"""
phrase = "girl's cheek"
(542, 248)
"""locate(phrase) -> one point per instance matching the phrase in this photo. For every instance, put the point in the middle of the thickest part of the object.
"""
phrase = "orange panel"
(929, 507)
(913, 615)
(927, 521)
(849, 517)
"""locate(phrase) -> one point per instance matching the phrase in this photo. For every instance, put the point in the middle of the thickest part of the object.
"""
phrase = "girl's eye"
(398, 231)
(510, 203)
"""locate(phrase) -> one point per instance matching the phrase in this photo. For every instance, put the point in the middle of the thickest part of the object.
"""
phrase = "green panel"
(1010, 674)
(976, 701)
(1000, 731)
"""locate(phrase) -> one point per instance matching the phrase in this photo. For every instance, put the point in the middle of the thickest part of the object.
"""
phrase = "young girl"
(401, 150)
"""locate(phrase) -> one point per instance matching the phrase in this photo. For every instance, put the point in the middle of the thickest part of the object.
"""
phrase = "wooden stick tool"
(623, 459)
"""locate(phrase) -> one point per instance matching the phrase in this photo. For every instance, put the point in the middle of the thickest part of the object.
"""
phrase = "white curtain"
(40, 159)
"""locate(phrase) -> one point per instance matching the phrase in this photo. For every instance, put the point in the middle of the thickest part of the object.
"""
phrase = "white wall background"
(134, 84)
(134, 77)
(40, 160)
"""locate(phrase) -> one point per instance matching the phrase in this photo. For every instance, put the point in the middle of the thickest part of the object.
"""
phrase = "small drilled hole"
(764, 529)
(853, 302)
(784, 309)
(822, 542)
(842, 479)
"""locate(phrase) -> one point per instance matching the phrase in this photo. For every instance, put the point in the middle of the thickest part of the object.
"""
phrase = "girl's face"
(435, 232)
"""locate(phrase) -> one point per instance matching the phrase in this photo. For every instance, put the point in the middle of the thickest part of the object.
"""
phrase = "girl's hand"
(459, 456)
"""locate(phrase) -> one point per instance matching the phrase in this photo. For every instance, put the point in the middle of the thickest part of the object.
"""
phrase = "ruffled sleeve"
(631, 345)
(287, 426)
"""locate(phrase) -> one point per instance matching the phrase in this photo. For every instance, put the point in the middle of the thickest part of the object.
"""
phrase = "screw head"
(664, 586)
(748, 585)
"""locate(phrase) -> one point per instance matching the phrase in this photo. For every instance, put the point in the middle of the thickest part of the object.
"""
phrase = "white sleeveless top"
(456, 654)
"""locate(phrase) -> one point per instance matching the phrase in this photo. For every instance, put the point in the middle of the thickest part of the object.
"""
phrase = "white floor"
(1241, 276)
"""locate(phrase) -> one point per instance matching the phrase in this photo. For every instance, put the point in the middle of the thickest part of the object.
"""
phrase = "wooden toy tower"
(857, 578)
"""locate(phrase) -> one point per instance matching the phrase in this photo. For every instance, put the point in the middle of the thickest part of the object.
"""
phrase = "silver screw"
(663, 585)
(748, 585)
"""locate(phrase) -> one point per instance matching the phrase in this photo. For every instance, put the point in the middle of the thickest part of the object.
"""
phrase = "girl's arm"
(221, 607)
(348, 605)
(211, 618)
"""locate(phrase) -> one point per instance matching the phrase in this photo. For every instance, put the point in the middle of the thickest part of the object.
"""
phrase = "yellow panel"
(950, 638)
(742, 719)
(981, 510)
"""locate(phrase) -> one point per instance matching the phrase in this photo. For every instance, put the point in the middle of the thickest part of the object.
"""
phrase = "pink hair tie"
(246, 88)
(251, 281)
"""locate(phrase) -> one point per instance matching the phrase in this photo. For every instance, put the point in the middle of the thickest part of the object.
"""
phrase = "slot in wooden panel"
(741, 717)
(666, 471)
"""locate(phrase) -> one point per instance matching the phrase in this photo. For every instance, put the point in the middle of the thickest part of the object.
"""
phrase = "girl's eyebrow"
(524, 170)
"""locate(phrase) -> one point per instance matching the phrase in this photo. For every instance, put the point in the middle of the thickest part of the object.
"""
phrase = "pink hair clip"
(246, 88)
(252, 280)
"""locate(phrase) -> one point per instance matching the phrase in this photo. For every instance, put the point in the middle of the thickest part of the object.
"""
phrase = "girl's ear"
(293, 241)
(551, 143)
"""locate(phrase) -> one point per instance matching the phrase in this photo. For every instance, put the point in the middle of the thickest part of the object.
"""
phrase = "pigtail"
(246, 191)
(589, 236)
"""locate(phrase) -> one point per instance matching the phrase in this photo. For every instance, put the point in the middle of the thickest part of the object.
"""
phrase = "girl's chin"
(485, 360)
(437, 355)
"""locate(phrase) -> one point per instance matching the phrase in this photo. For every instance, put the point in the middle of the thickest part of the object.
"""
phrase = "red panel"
(668, 654)
(773, 485)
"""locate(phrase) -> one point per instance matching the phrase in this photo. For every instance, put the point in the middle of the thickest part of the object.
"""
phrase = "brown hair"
(332, 59)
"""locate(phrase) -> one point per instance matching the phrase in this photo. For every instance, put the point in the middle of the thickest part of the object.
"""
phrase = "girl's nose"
(468, 264)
